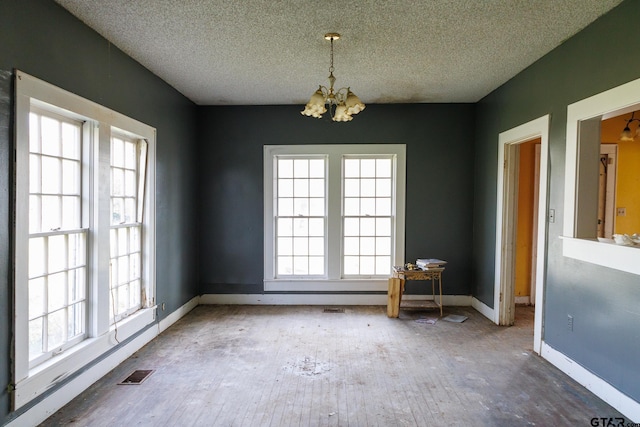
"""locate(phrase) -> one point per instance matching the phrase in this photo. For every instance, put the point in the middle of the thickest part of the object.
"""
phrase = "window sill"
(618, 257)
(315, 285)
(46, 375)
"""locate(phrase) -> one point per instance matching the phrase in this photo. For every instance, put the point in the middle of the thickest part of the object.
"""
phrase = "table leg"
(394, 295)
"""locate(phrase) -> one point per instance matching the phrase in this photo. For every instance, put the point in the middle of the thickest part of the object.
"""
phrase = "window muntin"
(57, 262)
(300, 216)
(367, 216)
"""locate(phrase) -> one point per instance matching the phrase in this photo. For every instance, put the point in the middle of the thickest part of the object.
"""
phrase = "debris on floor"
(427, 320)
(456, 318)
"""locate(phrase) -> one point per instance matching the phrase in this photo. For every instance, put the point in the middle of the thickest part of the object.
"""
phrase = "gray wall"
(42, 39)
(605, 303)
(439, 177)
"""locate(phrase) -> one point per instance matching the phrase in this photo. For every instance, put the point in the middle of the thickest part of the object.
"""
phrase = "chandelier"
(342, 103)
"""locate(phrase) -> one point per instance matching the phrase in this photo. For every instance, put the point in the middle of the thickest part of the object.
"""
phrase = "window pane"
(57, 251)
(367, 168)
(134, 266)
(316, 207)
(383, 226)
(117, 152)
(316, 227)
(383, 265)
(56, 291)
(117, 182)
(129, 210)
(77, 251)
(383, 207)
(117, 211)
(367, 207)
(70, 177)
(35, 337)
(71, 212)
(316, 265)
(383, 168)
(37, 261)
(130, 188)
(285, 246)
(301, 207)
(56, 329)
(123, 298)
(316, 168)
(301, 188)
(351, 227)
(285, 227)
(285, 168)
(367, 187)
(316, 187)
(383, 246)
(383, 188)
(51, 209)
(300, 168)
(367, 226)
(285, 265)
(50, 136)
(285, 188)
(35, 214)
(351, 207)
(76, 285)
(134, 294)
(51, 172)
(300, 246)
(316, 246)
(123, 269)
(300, 265)
(76, 320)
(351, 168)
(367, 246)
(285, 207)
(351, 187)
(36, 297)
(35, 179)
(351, 265)
(130, 155)
(300, 227)
(113, 243)
(71, 141)
(367, 265)
(351, 245)
(34, 133)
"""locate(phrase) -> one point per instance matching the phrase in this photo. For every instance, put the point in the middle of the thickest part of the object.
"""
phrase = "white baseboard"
(523, 300)
(605, 391)
(483, 309)
(64, 394)
(321, 299)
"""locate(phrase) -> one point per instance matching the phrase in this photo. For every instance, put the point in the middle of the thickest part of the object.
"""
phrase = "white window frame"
(333, 280)
(583, 120)
(101, 336)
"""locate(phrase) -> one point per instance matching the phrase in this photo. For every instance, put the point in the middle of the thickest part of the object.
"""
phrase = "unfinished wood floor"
(298, 366)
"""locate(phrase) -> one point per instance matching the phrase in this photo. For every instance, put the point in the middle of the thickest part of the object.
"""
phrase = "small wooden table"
(396, 289)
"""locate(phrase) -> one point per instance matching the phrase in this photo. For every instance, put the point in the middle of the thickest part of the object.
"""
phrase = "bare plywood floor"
(299, 366)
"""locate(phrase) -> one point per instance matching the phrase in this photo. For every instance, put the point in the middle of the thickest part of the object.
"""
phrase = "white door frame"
(504, 300)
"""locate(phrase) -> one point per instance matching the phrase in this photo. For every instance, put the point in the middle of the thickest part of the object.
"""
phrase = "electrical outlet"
(570, 322)
(552, 215)
(621, 212)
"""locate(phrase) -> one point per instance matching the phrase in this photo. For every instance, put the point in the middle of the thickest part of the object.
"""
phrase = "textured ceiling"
(261, 52)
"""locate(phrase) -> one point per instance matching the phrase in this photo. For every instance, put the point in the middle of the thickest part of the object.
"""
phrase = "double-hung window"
(334, 216)
(84, 233)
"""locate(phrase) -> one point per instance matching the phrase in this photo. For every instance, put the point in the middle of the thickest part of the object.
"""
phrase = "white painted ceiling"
(263, 52)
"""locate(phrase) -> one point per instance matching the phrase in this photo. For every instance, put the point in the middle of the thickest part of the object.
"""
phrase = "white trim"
(538, 128)
(321, 299)
(605, 391)
(483, 309)
(523, 300)
(619, 257)
(63, 395)
(619, 100)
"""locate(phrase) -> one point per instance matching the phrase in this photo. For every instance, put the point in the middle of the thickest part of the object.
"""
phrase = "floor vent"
(136, 377)
(333, 310)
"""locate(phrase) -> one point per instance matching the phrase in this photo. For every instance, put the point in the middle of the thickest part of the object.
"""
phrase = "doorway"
(509, 146)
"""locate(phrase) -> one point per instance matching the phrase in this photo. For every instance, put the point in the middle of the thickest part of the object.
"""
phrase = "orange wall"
(526, 214)
(628, 178)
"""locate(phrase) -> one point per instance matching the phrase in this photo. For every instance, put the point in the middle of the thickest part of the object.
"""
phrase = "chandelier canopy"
(342, 103)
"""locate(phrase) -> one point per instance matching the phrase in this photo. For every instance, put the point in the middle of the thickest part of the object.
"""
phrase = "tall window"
(334, 215)
(84, 233)
(127, 158)
(57, 235)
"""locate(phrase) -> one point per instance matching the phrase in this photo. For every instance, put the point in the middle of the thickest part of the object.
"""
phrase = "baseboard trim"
(483, 309)
(69, 391)
(320, 299)
(605, 391)
(523, 300)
